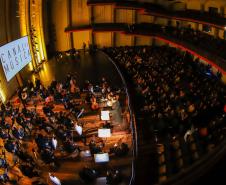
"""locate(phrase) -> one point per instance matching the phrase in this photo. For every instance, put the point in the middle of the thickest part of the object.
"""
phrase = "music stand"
(104, 132)
(101, 158)
(105, 115)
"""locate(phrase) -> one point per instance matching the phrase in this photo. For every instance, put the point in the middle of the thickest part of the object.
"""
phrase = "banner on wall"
(14, 56)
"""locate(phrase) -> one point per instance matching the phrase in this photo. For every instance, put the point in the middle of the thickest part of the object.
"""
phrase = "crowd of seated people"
(197, 38)
(178, 96)
(31, 129)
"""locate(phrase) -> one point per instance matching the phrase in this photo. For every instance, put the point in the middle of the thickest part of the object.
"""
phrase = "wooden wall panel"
(80, 16)
(142, 40)
(193, 25)
(80, 12)
(123, 40)
(14, 21)
(125, 16)
(193, 4)
(144, 18)
(103, 14)
(178, 6)
(215, 4)
(224, 78)
(161, 21)
(102, 39)
(60, 21)
(80, 37)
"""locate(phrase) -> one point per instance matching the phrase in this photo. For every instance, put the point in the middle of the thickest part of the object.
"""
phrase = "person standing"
(84, 47)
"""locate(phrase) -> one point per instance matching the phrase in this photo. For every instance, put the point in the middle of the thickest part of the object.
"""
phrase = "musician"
(37, 84)
(54, 142)
(90, 88)
(30, 86)
(54, 179)
(78, 129)
(104, 87)
(103, 81)
(49, 100)
(80, 135)
(22, 96)
(116, 109)
(59, 87)
(110, 98)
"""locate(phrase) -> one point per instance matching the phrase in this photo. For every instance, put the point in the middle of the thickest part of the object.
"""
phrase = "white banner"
(14, 56)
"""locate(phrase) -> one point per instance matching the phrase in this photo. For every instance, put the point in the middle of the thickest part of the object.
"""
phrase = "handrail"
(132, 120)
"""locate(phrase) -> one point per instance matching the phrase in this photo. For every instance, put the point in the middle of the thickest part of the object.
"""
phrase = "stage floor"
(88, 67)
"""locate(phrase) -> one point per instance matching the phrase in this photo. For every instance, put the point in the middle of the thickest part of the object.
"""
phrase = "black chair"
(88, 175)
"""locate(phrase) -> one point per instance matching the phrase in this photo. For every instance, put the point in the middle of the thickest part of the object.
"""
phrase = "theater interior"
(112, 92)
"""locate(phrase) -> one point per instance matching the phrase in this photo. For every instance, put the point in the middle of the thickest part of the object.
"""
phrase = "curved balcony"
(153, 9)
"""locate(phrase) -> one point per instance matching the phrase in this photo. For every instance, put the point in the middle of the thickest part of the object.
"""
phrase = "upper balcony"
(152, 9)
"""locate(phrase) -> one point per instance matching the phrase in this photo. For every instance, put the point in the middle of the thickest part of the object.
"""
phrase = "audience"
(175, 93)
(197, 38)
